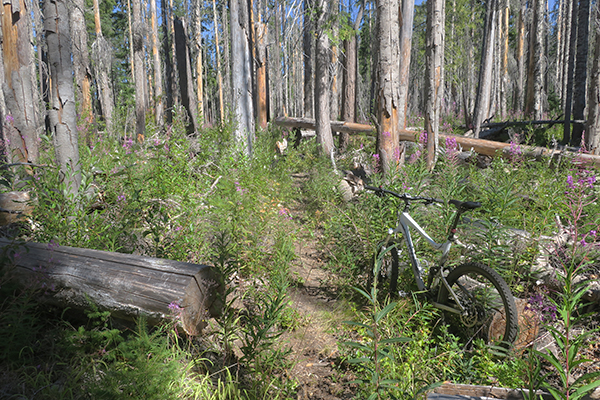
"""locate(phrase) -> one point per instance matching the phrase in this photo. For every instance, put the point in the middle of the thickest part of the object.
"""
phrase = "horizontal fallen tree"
(481, 146)
(127, 285)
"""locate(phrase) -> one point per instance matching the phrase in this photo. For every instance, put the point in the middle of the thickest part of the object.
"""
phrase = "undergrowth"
(198, 200)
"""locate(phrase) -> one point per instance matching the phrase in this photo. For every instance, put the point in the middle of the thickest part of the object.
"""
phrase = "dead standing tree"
(434, 82)
(388, 143)
(242, 76)
(21, 120)
(484, 88)
(62, 114)
(592, 133)
(102, 57)
(322, 81)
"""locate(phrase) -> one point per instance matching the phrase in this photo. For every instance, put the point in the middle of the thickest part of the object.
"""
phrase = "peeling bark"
(21, 120)
(388, 144)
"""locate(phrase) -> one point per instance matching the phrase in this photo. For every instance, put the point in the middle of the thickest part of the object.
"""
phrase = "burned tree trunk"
(188, 98)
(21, 119)
(388, 145)
(62, 115)
(128, 286)
(434, 81)
(592, 133)
(484, 88)
(102, 57)
(322, 83)
(581, 64)
(81, 62)
(139, 70)
(242, 76)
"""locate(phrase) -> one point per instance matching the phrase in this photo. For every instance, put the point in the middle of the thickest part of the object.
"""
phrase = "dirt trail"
(314, 343)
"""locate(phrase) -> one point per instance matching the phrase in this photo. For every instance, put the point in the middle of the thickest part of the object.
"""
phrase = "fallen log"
(481, 146)
(127, 285)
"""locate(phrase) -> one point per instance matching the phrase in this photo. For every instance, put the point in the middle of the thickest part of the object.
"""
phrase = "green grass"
(200, 201)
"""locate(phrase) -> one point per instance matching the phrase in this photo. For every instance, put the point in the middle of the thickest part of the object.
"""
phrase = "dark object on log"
(481, 146)
(127, 285)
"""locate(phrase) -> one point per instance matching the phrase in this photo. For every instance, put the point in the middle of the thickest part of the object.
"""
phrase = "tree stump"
(126, 285)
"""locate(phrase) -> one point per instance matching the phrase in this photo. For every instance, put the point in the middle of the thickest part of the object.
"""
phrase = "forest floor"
(314, 343)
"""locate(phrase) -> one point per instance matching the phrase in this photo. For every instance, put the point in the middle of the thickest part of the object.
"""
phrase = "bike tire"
(389, 266)
(492, 313)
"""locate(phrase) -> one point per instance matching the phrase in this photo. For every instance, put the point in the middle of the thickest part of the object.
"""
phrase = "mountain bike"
(471, 295)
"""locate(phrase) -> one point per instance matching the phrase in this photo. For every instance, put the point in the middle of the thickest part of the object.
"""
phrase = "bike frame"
(405, 222)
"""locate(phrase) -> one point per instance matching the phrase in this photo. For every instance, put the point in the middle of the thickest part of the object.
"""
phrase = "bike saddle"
(465, 205)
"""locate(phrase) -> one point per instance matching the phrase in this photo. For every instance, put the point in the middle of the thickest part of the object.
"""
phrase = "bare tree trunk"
(20, 122)
(568, 20)
(261, 72)
(242, 76)
(520, 56)
(275, 74)
(570, 73)
(186, 85)
(322, 82)
(218, 57)
(388, 144)
(504, 70)
(62, 115)
(158, 83)
(560, 38)
(406, 31)
(81, 62)
(307, 46)
(335, 64)
(592, 132)
(484, 88)
(434, 81)
(102, 57)
(536, 66)
(579, 89)
(349, 79)
(139, 70)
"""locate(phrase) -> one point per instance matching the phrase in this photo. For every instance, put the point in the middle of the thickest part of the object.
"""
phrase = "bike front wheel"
(489, 311)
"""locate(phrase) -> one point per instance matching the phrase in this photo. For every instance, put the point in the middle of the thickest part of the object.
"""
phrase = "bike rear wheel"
(491, 313)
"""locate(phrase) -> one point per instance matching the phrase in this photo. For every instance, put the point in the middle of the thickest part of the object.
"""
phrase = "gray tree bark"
(520, 56)
(388, 37)
(62, 114)
(322, 82)
(349, 78)
(81, 62)
(186, 83)
(406, 31)
(592, 132)
(307, 46)
(158, 72)
(579, 87)
(102, 58)
(434, 81)
(484, 88)
(21, 120)
(242, 97)
(536, 91)
(570, 76)
(139, 68)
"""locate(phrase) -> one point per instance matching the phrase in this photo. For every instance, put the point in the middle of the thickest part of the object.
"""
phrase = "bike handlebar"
(404, 197)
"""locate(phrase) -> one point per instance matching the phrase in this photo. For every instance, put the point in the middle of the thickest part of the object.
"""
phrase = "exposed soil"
(314, 344)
